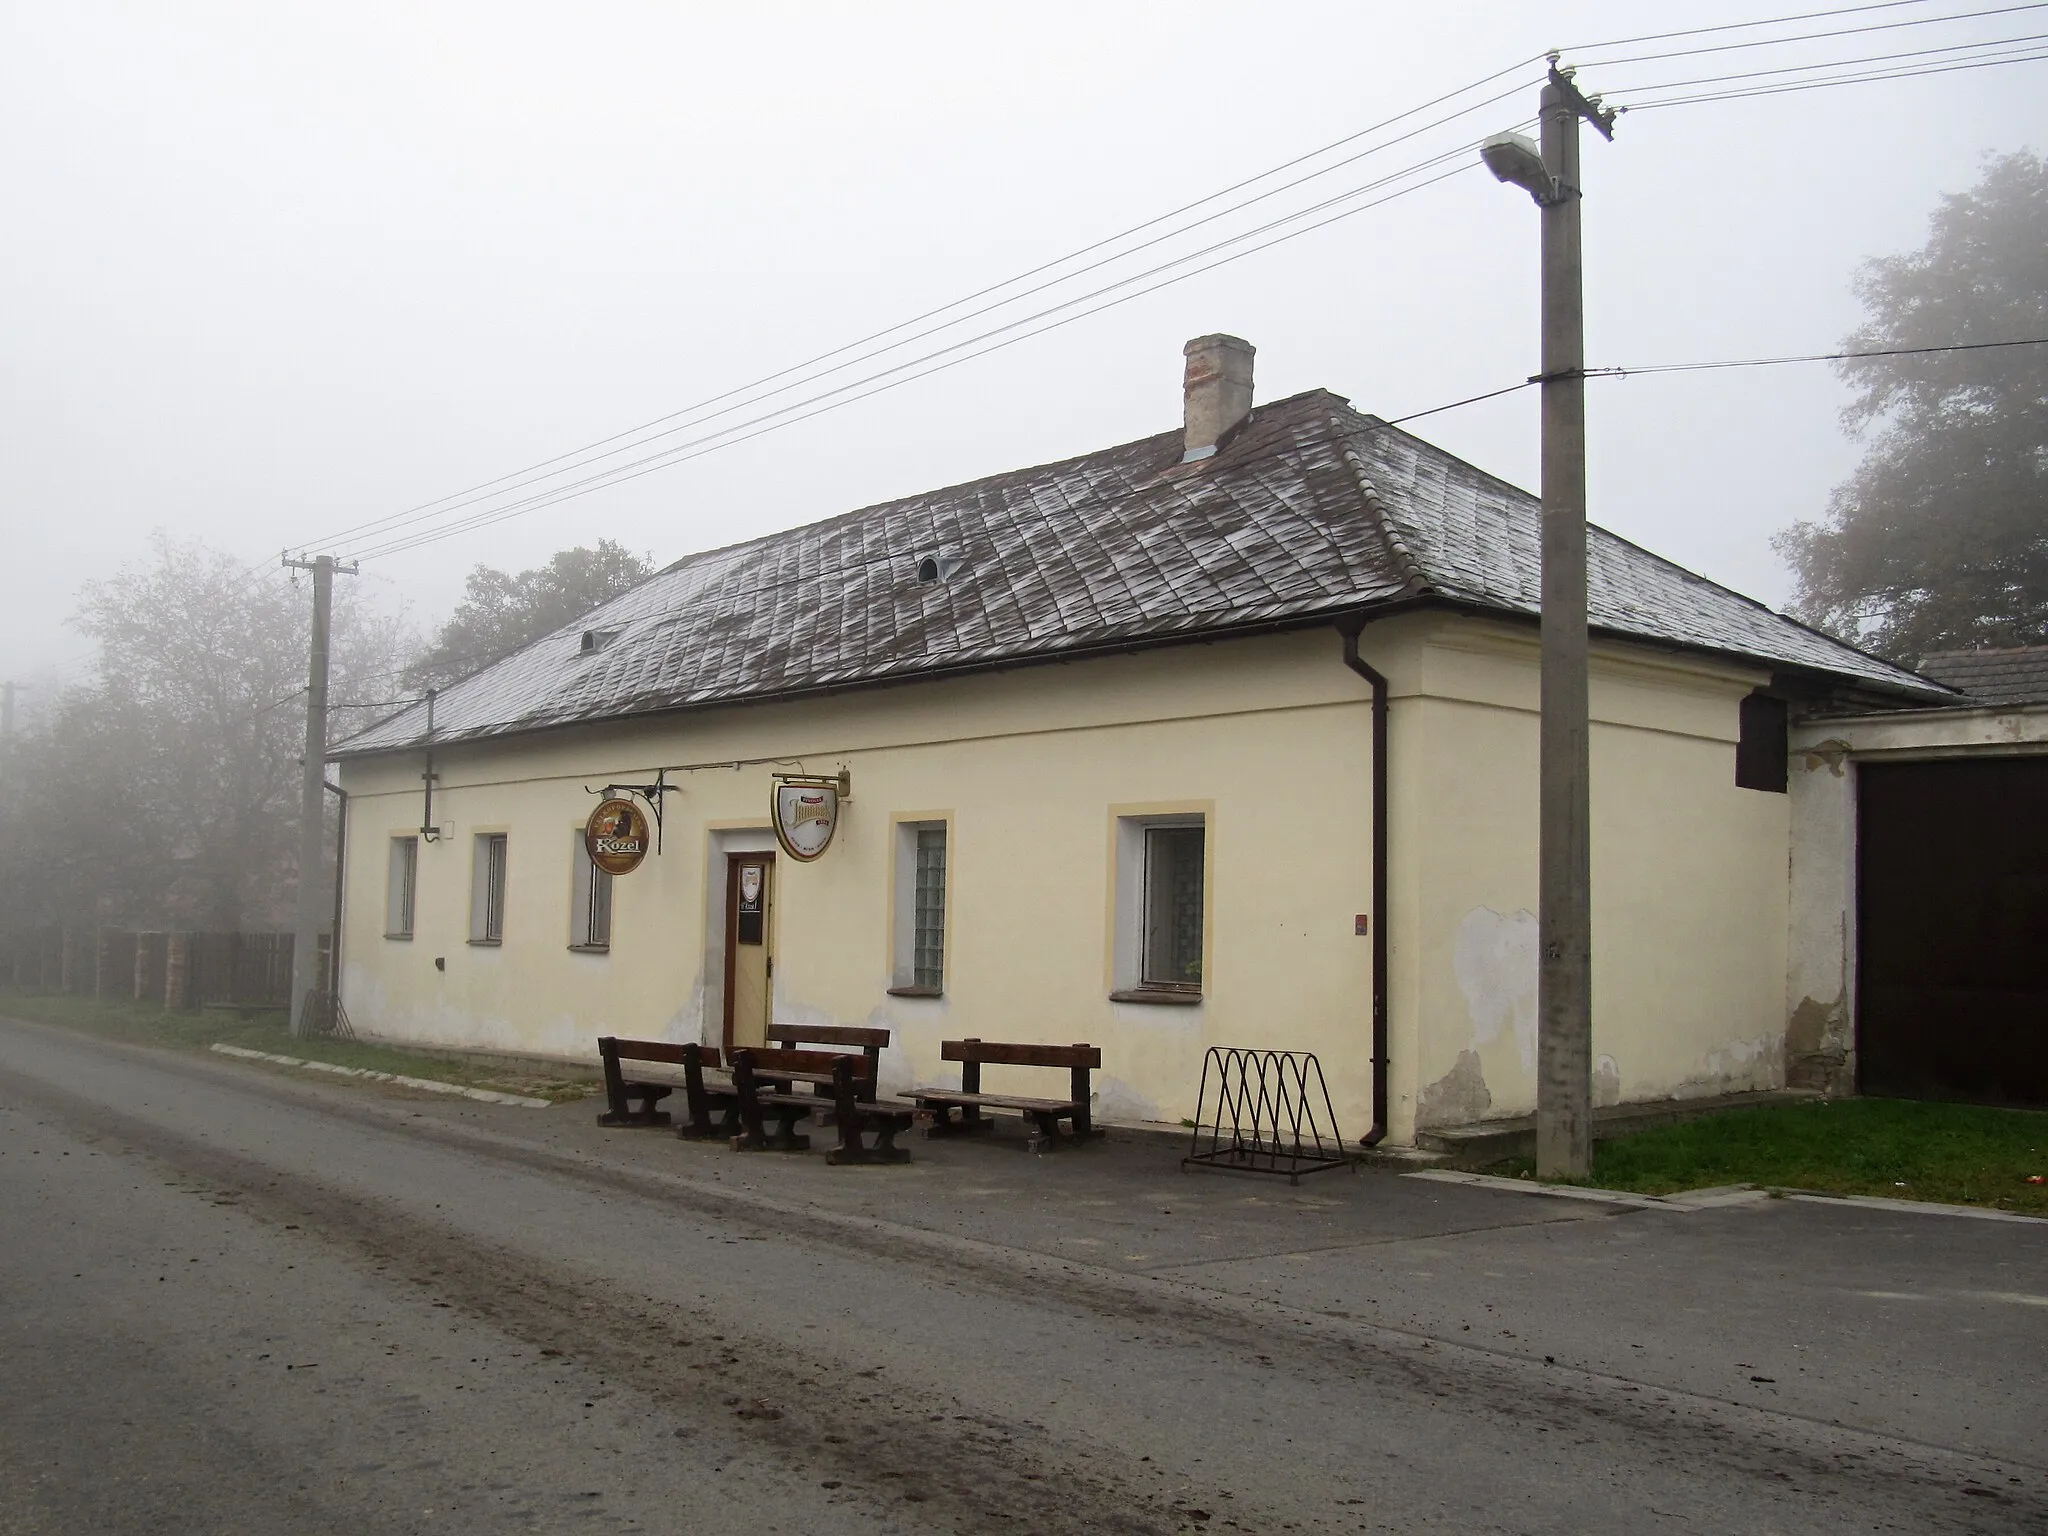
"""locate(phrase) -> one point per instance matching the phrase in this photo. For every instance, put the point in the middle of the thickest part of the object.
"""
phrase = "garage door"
(1952, 930)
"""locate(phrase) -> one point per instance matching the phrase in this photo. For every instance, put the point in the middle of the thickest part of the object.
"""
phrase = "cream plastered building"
(1108, 730)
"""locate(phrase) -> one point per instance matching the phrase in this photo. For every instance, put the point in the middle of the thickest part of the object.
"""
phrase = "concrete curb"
(1911, 1207)
(1716, 1198)
(486, 1095)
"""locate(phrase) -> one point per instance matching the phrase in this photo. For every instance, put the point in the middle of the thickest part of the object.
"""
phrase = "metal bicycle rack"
(1272, 1115)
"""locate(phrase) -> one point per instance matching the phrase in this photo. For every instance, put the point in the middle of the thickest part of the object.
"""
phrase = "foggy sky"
(275, 269)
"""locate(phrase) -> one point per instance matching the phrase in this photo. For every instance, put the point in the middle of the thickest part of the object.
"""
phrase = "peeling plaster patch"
(1817, 1040)
(1115, 1100)
(1495, 962)
(1458, 1097)
(1830, 754)
(1739, 1065)
(1606, 1082)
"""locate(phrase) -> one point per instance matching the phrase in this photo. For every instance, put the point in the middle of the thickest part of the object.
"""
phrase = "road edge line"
(483, 1095)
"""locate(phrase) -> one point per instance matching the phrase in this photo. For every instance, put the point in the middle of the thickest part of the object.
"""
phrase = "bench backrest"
(768, 1062)
(999, 1053)
(648, 1050)
(829, 1034)
(869, 1042)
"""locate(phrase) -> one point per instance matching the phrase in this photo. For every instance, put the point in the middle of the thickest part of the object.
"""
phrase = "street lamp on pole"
(1549, 173)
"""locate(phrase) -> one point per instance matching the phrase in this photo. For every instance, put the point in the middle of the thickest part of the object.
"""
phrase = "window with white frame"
(920, 925)
(487, 890)
(1161, 905)
(400, 882)
(590, 900)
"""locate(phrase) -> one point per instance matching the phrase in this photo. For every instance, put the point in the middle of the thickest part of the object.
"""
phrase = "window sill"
(590, 949)
(404, 936)
(1170, 997)
(486, 943)
(917, 991)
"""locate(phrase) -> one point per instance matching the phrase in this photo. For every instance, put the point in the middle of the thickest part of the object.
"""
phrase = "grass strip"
(1955, 1154)
(198, 1029)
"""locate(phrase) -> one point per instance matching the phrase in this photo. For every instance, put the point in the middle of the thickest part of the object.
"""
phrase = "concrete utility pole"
(1564, 978)
(313, 793)
(1564, 912)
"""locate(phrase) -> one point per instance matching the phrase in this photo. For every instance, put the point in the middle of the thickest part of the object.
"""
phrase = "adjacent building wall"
(1820, 988)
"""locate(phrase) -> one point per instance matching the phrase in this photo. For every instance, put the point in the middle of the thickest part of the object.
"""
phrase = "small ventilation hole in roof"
(940, 565)
(597, 639)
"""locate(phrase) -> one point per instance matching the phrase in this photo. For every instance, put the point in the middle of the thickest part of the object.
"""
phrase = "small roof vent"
(595, 640)
(938, 565)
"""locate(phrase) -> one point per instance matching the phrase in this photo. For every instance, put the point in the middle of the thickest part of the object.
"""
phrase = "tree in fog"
(164, 791)
(1939, 540)
(500, 613)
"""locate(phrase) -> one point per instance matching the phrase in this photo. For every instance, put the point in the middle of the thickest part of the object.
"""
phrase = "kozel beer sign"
(616, 836)
(806, 816)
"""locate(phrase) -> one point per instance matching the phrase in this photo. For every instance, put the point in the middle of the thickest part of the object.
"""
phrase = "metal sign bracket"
(650, 795)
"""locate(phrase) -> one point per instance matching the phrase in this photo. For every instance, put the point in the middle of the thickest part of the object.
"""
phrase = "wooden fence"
(174, 968)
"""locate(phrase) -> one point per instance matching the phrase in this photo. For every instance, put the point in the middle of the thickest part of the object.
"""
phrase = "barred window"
(918, 924)
(928, 940)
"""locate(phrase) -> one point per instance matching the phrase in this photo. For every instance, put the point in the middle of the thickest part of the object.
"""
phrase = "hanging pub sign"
(616, 836)
(806, 812)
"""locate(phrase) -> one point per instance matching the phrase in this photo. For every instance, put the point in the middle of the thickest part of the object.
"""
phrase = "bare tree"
(163, 791)
(500, 613)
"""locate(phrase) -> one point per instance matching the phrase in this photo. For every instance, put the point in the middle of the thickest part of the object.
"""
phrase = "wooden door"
(749, 947)
(1952, 930)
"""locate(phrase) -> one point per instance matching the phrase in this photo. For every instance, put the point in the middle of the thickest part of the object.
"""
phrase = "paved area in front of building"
(513, 1319)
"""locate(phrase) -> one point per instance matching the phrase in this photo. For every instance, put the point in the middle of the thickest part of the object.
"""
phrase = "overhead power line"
(900, 374)
(1894, 59)
(1809, 37)
(809, 369)
(1731, 362)
(1737, 26)
(485, 503)
(573, 461)
(1870, 77)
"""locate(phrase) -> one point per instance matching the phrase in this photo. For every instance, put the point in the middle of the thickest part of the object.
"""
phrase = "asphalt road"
(235, 1301)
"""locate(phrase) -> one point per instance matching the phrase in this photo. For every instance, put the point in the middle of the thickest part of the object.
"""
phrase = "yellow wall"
(1689, 882)
(1269, 737)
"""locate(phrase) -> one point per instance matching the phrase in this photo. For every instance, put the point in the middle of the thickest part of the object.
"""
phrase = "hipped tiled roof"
(1311, 509)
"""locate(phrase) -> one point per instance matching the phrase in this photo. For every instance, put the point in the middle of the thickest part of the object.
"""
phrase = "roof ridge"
(1414, 578)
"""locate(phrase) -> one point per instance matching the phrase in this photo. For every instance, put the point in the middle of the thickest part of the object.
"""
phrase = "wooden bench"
(1042, 1116)
(764, 1081)
(631, 1102)
(870, 1043)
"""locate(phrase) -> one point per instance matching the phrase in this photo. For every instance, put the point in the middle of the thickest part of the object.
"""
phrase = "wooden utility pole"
(1564, 982)
(313, 793)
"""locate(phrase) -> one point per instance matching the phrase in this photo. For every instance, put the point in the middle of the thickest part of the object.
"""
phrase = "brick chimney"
(1217, 390)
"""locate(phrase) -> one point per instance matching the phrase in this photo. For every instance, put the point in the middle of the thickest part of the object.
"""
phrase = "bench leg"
(971, 1122)
(782, 1139)
(721, 1119)
(1043, 1134)
(634, 1105)
(885, 1150)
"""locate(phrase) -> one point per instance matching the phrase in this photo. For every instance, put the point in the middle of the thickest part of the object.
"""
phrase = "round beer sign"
(616, 836)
